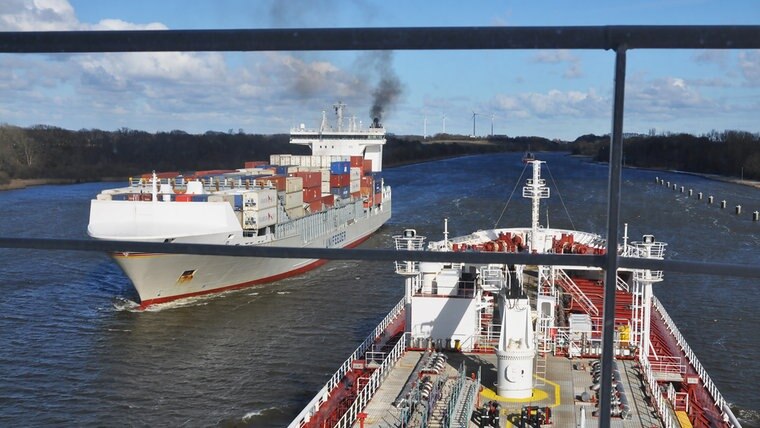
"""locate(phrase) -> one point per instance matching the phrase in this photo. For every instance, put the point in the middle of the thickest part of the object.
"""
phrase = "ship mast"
(339, 106)
(536, 190)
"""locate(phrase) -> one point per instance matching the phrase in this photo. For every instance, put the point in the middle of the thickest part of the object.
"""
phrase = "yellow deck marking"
(538, 395)
(683, 419)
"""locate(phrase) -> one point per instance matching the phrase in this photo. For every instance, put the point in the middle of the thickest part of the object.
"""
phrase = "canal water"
(76, 352)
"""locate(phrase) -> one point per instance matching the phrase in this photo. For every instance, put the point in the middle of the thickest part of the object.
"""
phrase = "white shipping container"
(216, 198)
(325, 188)
(355, 174)
(259, 199)
(325, 174)
(295, 212)
(323, 162)
(293, 184)
(285, 159)
(354, 186)
(294, 199)
(260, 218)
(274, 159)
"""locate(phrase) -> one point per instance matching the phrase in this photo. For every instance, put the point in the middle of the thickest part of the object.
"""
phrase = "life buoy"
(489, 246)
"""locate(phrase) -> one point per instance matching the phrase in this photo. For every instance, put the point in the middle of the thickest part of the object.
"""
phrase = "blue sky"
(556, 94)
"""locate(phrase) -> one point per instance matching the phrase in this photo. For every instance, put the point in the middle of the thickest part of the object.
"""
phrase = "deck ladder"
(571, 287)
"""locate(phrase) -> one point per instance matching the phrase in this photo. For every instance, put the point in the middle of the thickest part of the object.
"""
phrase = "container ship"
(520, 345)
(333, 198)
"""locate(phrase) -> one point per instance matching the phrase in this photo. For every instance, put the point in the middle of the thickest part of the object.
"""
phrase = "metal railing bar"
(403, 38)
(680, 266)
(613, 225)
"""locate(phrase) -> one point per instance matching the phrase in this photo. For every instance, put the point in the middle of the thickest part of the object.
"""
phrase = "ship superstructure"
(333, 198)
(475, 344)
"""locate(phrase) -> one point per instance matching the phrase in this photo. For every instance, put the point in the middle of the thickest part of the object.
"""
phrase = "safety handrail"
(711, 388)
(313, 406)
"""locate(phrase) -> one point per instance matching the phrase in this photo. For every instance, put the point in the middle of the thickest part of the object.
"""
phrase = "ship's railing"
(313, 406)
(458, 410)
(373, 383)
(622, 285)
(665, 364)
(720, 402)
(661, 403)
(563, 279)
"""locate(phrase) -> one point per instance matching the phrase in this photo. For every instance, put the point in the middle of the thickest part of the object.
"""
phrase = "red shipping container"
(328, 200)
(367, 181)
(355, 194)
(340, 180)
(310, 179)
(254, 164)
(276, 181)
(315, 206)
(366, 191)
(356, 161)
(312, 194)
(367, 166)
(183, 198)
(378, 198)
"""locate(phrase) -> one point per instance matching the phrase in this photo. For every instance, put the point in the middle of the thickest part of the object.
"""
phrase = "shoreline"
(23, 183)
(716, 177)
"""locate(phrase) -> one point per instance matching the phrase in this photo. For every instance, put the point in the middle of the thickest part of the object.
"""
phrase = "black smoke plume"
(388, 89)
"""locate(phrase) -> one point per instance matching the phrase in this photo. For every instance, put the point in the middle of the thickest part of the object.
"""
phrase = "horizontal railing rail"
(431, 38)
(682, 266)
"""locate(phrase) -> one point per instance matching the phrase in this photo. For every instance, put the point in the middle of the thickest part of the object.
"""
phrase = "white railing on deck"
(664, 408)
(665, 364)
(373, 384)
(562, 277)
(622, 285)
(720, 402)
(313, 406)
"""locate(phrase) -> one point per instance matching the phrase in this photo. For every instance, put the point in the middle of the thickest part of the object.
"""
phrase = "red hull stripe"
(273, 278)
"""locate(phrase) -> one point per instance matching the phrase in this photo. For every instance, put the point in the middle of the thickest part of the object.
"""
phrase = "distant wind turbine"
(424, 128)
(492, 116)
(444, 124)
(473, 122)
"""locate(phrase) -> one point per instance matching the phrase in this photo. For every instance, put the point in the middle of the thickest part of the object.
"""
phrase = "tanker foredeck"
(561, 392)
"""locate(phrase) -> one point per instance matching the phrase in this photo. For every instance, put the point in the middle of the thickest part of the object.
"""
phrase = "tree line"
(728, 153)
(49, 152)
(90, 154)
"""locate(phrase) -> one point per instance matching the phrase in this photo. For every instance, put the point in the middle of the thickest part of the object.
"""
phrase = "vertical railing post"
(613, 222)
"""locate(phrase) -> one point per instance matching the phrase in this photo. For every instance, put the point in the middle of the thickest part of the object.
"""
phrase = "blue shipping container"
(199, 198)
(282, 169)
(238, 202)
(343, 167)
(341, 192)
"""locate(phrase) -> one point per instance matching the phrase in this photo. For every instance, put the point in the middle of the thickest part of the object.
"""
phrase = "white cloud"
(552, 103)
(37, 15)
(560, 56)
(749, 63)
(554, 57)
(711, 56)
(667, 98)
